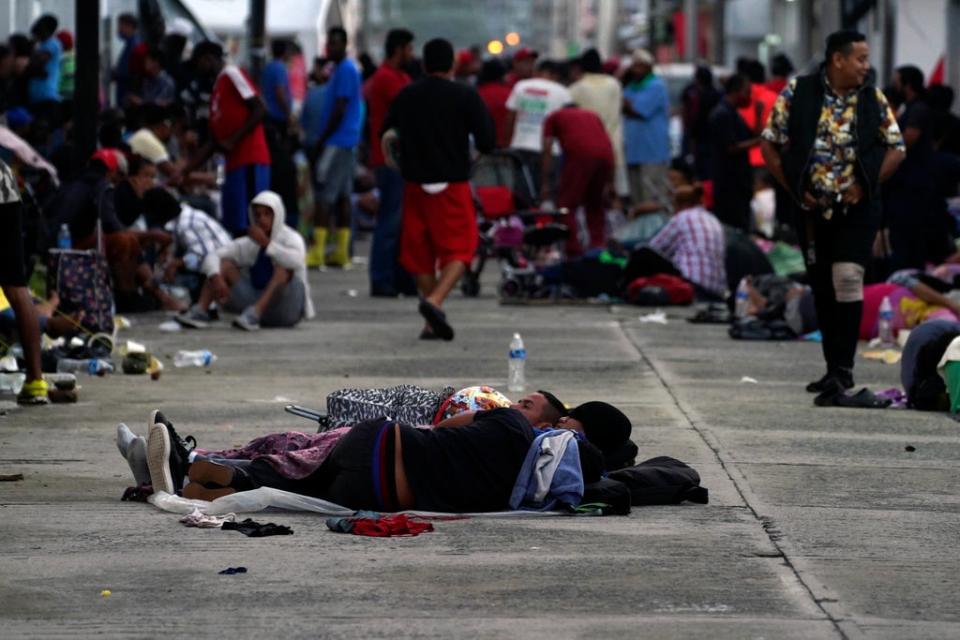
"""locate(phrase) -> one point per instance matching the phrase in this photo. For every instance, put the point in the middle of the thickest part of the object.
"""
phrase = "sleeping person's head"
(540, 408)
(603, 424)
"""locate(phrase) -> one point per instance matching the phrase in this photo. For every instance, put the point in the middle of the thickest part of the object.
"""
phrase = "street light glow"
(495, 47)
(513, 38)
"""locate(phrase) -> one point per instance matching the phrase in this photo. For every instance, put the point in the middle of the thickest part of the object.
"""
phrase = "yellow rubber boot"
(317, 253)
(340, 256)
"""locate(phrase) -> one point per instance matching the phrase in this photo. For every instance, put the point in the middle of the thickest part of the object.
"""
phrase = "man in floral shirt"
(830, 141)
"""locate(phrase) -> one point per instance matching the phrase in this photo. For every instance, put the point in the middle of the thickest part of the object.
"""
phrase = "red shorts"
(437, 229)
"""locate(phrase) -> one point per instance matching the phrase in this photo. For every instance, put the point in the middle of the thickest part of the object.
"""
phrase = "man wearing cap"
(523, 65)
(831, 141)
(646, 136)
(236, 116)
(530, 102)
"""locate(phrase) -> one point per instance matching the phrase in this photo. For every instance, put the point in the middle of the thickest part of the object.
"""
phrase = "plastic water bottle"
(516, 380)
(11, 383)
(742, 300)
(885, 322)
(202, 358)
(64, 241)
(93, 366)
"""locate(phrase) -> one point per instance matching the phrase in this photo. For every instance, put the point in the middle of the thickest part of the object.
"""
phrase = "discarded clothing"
(253, 529)
(896, 396)
(551, 473)
(201, 520)
(231, 571)
(377, 526)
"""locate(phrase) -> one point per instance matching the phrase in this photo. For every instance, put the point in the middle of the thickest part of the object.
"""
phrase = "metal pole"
(719, 33)
(690, 36)
(87, 93)
(257, 37)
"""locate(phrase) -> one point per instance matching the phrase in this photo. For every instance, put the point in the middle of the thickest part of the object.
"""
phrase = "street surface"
(820, 524)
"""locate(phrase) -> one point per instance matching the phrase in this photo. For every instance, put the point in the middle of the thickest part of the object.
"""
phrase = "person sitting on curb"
(262, 276)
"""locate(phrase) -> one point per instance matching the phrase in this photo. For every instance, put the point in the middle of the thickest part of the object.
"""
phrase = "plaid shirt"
(834, 156)
(196, 238)
(694, 242)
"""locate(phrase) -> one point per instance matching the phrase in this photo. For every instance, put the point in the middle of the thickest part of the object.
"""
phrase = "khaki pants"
(649, 182)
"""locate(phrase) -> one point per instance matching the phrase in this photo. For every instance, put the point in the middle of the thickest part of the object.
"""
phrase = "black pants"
(283, 171)
(843, 238)
(346, 477)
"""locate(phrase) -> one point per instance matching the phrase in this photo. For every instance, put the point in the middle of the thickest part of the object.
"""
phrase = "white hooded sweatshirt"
(286, 249)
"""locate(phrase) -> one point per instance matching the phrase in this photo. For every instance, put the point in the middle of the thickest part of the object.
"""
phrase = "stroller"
(513, 229)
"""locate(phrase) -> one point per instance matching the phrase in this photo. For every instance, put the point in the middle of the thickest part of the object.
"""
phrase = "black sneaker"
(167, 455)
(819, 386)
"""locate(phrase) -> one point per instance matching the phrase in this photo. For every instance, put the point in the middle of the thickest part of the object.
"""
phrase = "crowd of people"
(209, 181)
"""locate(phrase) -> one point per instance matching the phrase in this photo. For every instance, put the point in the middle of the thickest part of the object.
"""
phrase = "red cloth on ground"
(438, 228)
(389, 526)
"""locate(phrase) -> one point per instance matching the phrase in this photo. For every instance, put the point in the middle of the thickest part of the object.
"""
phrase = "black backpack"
(612, 496)
(661, 480)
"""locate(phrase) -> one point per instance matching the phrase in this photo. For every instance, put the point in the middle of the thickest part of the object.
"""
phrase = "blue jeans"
(386, 275)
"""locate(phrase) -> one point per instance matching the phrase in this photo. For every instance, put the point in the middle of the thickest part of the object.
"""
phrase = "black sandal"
(863, 399)
(437, 320)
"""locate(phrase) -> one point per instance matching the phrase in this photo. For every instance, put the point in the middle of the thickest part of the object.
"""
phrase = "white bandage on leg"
(848, 281)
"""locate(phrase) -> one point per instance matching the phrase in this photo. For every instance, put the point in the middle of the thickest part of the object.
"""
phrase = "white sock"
(137, 459)
(124, 438)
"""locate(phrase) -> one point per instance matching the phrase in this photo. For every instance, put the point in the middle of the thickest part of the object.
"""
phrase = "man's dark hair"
(735, 83)
(781, 65)
(842, 42)
(492, 71)
(135, 164)
(278, 47)
(548, 66)
(397, 39)
(337, 32)
(555, 404)
(207, 48)
(591, 62)
(438, 56)
(703, 75)
(911, 76)
(682, 166)
(4, 51)
(940, 97)
(45, 25)
(152, 114)
(20, 44)
(128, 19)
(159, 206)
(156, 53)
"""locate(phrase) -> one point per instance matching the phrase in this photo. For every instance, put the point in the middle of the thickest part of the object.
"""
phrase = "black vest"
(805, 109)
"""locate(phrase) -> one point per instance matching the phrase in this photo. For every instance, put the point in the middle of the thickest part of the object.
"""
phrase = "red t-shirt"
(380, 90)
(494, 95)
(580, 132)
(228, 112)
(758, 93)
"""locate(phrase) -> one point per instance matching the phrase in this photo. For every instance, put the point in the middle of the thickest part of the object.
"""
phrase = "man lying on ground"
(377, 465)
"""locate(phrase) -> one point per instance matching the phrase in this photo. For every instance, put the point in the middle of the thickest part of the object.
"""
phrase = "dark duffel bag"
(662, 480)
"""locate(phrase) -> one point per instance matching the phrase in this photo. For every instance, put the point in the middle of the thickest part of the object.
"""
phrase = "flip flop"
(437, 320)
(863, 399)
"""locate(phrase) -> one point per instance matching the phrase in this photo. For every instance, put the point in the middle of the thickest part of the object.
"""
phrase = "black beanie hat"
(603, 424)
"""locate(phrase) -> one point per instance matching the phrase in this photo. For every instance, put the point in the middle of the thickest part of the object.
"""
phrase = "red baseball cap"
(524, 53)
(112, 159)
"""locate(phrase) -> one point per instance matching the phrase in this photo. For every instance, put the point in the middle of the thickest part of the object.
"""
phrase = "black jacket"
(805, 109)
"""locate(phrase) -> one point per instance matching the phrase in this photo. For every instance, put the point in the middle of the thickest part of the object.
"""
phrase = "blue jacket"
(550, 475)
(646, 139)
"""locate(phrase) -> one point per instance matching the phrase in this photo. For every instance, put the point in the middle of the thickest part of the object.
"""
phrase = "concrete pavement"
(820, 524)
